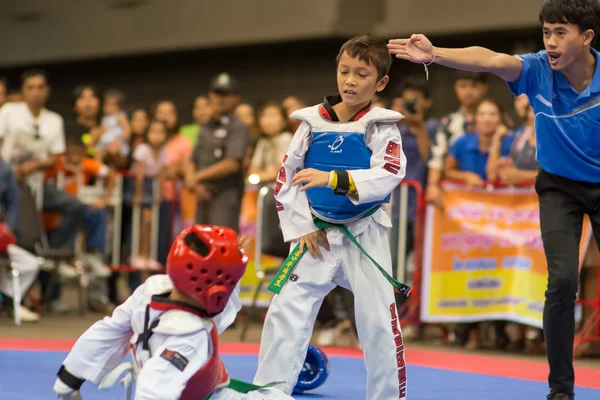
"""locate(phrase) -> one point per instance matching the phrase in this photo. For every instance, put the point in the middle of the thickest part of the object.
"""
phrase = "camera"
(410, 106)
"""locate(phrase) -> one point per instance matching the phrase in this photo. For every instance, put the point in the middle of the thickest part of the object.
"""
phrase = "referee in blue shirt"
(563, 86)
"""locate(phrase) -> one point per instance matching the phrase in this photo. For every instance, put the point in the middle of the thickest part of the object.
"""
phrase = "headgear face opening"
(206, 264)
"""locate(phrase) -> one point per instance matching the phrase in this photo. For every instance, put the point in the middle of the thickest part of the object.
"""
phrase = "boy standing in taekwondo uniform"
(344, 161)
(170, 325)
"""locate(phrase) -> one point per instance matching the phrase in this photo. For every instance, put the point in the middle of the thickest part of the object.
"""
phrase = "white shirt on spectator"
(26, 138)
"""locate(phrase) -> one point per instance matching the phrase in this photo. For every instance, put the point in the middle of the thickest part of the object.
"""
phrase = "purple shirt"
(416, 167)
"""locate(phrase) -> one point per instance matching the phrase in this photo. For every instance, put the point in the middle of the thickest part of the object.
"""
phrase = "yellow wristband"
(352, 187)
(333, 180)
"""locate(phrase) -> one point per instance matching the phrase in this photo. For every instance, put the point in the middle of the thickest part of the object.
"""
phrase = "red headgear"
(206, 263)
(6, 237)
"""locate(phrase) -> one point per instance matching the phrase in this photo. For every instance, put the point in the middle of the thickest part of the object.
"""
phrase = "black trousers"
(563, 203)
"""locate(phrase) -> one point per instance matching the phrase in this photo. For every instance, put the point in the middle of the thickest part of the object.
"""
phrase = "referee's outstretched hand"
(417, 49)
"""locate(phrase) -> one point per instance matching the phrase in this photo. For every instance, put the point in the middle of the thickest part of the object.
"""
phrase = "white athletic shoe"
(326, 337)
(97, 266)
(66, 270)
(28, 316)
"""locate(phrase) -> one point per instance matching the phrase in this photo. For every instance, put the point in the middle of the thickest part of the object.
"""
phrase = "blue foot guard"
(315, 370)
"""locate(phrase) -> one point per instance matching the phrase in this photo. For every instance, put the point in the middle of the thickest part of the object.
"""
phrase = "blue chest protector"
(338, 146)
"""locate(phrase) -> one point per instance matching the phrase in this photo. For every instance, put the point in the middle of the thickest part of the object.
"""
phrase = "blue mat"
(30, 375)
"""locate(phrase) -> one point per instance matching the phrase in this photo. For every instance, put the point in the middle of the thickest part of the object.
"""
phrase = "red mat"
(478, 364)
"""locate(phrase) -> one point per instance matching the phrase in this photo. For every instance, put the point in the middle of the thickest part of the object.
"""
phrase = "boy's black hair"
(30, 73)
(478, 77)
(372, 51)
(416, 83)
(4, 81)
(583, 13)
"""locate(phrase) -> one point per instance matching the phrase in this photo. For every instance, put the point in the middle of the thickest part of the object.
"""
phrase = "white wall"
(404, 17)
(73, 29)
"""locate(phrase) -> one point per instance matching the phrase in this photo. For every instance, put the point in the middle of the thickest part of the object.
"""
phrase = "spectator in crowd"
(3, 90)
(470, 89)
(114, 137)
(33, 139)
(150, 162)
(75, 165)
(417, 131)
(291, 104)
(521, 167)
(86, 105)
(178, 148)
(202, 113)
(245, 112)
(467, 160)
(272, 144)
(215, 170)
(140, 118)
(14, 96)
(24, 261)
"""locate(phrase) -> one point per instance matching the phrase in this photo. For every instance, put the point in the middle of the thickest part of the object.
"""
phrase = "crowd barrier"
(478, 259)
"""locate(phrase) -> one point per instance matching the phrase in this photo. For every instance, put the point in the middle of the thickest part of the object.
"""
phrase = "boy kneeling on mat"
(344, 161)
(170, 325)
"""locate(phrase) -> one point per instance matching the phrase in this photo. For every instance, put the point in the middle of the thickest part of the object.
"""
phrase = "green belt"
(288, 265)
(243, 387)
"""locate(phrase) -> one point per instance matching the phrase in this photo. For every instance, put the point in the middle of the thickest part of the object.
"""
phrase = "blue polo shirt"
(567, 123)
(466, 152)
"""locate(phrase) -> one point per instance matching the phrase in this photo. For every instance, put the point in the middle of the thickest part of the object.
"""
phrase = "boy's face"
(75, 154)
(565, 43)
(357, 81)
(469, 92)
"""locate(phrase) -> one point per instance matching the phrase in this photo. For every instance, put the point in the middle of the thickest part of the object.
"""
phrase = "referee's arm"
(480, 59)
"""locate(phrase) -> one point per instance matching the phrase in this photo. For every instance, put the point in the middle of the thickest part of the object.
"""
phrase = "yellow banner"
(484, 259)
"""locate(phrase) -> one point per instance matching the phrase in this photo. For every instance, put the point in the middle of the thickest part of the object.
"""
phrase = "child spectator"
(79, 169)
(272, 144)
(115, 127)
(150, 159)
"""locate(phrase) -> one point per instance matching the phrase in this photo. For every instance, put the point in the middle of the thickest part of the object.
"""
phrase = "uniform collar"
(327, 112)
(161, 302)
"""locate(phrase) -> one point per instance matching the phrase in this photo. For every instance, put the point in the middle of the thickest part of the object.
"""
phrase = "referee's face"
(565, 44)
